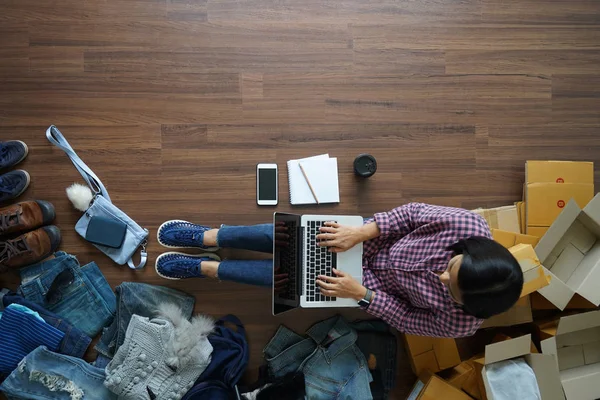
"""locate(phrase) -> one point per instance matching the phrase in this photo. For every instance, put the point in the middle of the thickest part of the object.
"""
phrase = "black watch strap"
(366, 301)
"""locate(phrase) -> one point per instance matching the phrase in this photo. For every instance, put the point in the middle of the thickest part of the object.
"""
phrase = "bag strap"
(143, 259)
(57, 139)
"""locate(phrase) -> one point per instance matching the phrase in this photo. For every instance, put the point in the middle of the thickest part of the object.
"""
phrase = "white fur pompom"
(80, 195)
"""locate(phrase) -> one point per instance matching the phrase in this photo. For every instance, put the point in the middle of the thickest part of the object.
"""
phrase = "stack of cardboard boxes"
(554, 233)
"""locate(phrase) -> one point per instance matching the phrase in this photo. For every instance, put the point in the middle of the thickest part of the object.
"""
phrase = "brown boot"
(29, 248)
(25, 216)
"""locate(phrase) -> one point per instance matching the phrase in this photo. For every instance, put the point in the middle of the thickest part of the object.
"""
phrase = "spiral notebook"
(322, 172)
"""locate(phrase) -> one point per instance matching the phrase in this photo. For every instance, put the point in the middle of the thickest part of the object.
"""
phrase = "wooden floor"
(173, 102)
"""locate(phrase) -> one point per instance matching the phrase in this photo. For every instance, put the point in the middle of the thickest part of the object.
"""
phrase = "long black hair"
(490, 278)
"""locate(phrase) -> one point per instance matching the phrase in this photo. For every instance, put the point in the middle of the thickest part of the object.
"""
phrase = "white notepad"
(322, 172)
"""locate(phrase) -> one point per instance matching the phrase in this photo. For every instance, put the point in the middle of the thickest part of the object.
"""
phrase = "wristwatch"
(366, 301)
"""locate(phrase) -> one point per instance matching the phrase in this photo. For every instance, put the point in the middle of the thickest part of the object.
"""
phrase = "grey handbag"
(135, 235)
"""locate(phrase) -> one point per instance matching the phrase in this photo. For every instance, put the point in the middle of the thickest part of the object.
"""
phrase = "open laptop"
(303, 260)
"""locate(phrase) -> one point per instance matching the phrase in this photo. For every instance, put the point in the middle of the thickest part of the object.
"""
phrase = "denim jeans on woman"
(140, 299)
(87, 303)
(256, 238)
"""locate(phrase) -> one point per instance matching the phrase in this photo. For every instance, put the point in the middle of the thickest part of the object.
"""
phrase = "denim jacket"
(333, 366)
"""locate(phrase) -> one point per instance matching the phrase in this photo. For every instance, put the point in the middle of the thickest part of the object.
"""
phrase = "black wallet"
(106, 232)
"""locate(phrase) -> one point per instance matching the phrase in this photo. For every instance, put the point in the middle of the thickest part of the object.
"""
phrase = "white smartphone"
(266, 185)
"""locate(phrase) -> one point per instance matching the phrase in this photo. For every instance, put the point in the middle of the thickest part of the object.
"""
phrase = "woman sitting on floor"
(429, 270)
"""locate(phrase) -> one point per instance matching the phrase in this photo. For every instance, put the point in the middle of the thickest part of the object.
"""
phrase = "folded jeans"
(87, 303)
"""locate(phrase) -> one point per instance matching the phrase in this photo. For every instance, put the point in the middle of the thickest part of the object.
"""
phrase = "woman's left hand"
(342, 285)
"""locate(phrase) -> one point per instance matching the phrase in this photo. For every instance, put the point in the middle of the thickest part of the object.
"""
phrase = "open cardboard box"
(431, 354)
(570, 250)
(543, 365)
(576, 347)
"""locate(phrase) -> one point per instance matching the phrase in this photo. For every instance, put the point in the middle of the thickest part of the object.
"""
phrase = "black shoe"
(13, 184)
(12, 153)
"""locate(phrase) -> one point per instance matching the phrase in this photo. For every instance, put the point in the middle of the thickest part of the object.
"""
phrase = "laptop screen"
(286, 262)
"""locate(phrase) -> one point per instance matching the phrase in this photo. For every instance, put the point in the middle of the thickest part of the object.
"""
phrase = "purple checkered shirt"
(400, 267)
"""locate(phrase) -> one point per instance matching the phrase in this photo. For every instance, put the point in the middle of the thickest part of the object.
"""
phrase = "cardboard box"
(521, 213)
(504, 218)
(431, 354)
(435, 388)
(575, 227)
(580, 376)
(559, 172)
(538, 231)
(546, 329)
(545, 201)
(534, 274)
(543, 365)
(510, 239)
(520, 313)
(467, 377)
(539, 302)
(549, 186)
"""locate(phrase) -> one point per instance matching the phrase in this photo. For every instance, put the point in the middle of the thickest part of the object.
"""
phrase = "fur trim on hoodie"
(184, 346)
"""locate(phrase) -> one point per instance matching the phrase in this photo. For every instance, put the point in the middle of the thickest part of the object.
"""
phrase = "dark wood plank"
(173, 102)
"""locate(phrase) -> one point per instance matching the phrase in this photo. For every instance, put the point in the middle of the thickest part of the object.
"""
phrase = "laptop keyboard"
(319, 261)
(288, 262)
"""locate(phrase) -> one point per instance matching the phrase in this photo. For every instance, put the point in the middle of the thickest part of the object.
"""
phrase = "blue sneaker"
(13, 184)
(176, 234)
(175, 266)
(12, 153)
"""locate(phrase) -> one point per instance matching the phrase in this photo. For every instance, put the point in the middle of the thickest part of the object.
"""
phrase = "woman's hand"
(342, 285)
(339, 238)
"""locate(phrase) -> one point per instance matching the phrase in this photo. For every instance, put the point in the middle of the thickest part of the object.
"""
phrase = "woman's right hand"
(339, 238)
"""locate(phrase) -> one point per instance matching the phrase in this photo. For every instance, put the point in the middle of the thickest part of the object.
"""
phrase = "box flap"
(507, 349)
(582, 382)
(446, 352)
(557, 292)
(592, 209)
(535, 279)
(578, 322)
(547, 376)
(526, 256)
(557, 230)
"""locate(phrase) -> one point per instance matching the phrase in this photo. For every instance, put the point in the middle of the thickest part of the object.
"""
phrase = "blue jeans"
(333, 366)
(88, 303)
(141, 299)
(75, 342)
(46, 375)
(255, 238)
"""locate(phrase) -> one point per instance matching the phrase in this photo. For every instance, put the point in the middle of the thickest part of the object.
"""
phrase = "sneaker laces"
(187, 234)
(12, 248)
(7, 217)
(182, 267)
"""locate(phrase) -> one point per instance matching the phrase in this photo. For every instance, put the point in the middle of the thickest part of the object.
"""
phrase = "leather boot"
(29, 248)
(25, 216)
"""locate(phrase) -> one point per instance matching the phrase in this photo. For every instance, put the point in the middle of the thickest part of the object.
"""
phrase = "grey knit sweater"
(160, 358)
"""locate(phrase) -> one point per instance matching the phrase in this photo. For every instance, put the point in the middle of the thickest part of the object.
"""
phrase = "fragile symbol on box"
(560, 203)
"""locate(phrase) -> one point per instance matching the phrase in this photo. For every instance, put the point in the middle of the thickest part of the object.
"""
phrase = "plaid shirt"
(400, 267)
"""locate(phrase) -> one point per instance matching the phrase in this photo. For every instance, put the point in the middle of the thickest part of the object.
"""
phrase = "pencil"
(309, 185)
